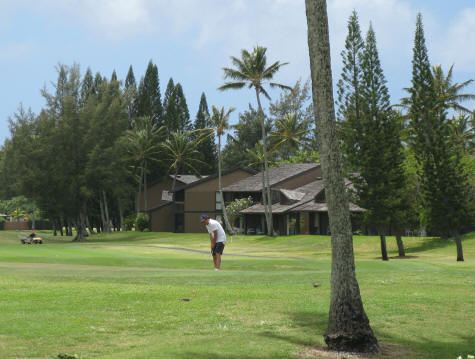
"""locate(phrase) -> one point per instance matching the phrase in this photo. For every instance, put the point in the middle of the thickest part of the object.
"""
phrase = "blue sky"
(191, 40)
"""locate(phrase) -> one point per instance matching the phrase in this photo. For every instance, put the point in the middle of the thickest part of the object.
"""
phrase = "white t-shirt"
(214, 225)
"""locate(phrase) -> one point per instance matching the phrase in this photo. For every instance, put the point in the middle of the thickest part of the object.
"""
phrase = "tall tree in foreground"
(220, 121)
(250, 70)
(348, 326)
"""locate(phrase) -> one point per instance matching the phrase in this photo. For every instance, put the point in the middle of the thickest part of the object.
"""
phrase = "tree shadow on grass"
(427, 244)
(417, 347)
(194, 355)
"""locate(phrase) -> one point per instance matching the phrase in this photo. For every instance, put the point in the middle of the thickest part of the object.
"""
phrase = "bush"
(66, 356)
(142, 222)
(2, 223)
(129, 222)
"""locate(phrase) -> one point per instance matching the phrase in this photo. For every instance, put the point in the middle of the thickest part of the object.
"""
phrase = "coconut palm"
(220, 122)
(251, 71)
(143, 145)
(463, 133)
(348, 325)
(290, 134)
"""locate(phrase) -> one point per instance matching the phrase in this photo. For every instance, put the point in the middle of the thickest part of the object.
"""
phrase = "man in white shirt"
(217, 237)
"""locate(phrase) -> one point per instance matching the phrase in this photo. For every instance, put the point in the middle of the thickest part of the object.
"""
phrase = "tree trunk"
(121, 215)
(145, 189)
(54, 228)
(400, 244)
(458, 242)
(264, 200)
(106, 212)
(88, 224)
(33, 221)
(139, 199)
(384, 252)
(348, 326)
(229, 226)
(103, 219)
(268, 202)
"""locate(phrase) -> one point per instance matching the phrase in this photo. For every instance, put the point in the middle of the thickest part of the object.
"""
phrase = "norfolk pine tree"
(349, 92)
(208, 146)
(348, 326)
(445, 186)
(380, 184)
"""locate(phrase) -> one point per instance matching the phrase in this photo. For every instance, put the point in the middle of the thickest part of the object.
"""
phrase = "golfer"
(217, 238)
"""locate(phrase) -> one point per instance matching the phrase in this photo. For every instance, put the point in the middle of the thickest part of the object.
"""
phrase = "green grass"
(120, 296)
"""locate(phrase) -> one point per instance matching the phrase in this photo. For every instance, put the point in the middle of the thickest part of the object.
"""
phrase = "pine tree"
(86, 86)
(130, 94)
(443, 182)
(207, 147)
(380, 184)
(149, 101)
(349, 91)
(183, 121)
(114, 76)
(169, 106)
(130, 79)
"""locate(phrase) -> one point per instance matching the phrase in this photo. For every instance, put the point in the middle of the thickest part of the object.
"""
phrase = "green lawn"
(120, 296)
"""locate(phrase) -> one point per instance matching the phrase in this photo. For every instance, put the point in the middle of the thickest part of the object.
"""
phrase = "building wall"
(154, 194)
(201, 199)
(14, 226)
(300, 180)
(162, 219)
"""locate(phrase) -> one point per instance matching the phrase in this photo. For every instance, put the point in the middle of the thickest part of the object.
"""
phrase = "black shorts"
(218, 248)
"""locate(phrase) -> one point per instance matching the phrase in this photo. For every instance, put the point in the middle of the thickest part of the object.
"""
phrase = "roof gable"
(276, 175)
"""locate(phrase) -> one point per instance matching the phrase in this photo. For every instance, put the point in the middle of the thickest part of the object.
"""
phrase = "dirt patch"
(388, 351)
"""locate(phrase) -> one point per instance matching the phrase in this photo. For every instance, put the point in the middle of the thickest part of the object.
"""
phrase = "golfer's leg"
(215, 260)
(218, 261)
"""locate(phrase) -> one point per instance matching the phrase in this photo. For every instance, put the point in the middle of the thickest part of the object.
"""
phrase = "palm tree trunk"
(348, 326)
(103, 218)
(121, 215)
(268, 201)
(145, 188)
(139, 200)
(220, 188)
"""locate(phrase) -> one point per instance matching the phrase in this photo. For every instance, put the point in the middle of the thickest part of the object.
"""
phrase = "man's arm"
(213, 238)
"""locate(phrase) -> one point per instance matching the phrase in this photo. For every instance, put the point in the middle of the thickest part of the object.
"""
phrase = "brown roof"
(312, 206)
(276, 175)
(209, 177)
(305, 204)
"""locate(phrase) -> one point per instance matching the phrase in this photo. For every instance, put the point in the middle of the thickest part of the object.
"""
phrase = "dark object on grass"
(316, 285)
(66, 356)
(186, 299)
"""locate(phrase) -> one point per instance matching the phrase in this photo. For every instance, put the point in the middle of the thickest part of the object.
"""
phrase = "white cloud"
(457, 42)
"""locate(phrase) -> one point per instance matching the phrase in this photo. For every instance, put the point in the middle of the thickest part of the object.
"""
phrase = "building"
(298, 201)
(179, 210)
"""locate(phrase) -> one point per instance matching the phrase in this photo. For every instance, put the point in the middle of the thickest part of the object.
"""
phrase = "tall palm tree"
(220, 122)
(143, 145)
(251, 71)
(348, 325)
(290, 133)
(463, 133)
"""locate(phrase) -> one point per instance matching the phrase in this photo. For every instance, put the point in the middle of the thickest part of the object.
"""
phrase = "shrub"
(66, 356)
(142, 222)
(129, 222)
(2, 223)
